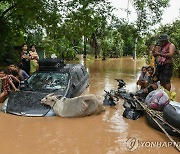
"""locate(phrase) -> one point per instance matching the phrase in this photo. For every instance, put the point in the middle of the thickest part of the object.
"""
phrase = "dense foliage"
(71, 27)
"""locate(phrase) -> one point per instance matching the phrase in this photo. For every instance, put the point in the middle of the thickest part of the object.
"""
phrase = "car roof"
(67, 68)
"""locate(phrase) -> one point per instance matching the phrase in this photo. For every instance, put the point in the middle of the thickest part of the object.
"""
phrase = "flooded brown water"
(107, 133)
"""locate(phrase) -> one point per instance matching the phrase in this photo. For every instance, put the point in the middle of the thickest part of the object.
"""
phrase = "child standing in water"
(6, 83)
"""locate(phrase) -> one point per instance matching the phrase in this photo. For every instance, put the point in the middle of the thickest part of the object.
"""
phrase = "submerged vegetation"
(71, 27)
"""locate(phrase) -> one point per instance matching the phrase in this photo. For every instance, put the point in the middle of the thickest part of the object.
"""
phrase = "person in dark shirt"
(25, 59)
(150, 71)
(12, 71)
(22, 74)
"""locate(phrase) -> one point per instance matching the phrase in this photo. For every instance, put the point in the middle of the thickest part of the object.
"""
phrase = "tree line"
(71, 27)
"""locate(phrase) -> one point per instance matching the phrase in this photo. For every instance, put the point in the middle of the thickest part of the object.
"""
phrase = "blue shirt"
(24, 75)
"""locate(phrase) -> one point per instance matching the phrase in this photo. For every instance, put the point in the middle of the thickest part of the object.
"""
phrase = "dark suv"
(54, 76)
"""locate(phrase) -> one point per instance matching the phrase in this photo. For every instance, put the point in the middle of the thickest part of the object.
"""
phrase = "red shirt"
(6, 84)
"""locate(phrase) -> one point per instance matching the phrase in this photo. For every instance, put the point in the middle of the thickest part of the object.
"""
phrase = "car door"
(84, 78)
(79, 80)
(74, 87)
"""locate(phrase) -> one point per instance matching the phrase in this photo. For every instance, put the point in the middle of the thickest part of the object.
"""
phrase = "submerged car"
(54, 76)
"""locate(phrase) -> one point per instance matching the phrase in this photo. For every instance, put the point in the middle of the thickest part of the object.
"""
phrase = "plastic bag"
(157, 99)
(172, 94)
(132, 113)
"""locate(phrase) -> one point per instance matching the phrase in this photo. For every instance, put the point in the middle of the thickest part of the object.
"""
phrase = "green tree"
(18, 19)
(128, 33)
(149, 13)
(86, 20)
(111, 44)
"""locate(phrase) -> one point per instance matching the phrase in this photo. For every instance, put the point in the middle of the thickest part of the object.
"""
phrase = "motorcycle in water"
(132, 109)
(110, 98)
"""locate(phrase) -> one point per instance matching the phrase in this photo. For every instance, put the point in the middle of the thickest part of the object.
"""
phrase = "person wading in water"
(164, 68)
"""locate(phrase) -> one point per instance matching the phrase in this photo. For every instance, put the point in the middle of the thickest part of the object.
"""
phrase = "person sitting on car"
(12, 71)
(6, 83)
(22, 74)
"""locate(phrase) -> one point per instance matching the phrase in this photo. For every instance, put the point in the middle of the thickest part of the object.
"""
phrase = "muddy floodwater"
(108, 133)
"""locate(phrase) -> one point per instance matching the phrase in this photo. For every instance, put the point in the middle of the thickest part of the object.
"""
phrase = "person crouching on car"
(6, 83)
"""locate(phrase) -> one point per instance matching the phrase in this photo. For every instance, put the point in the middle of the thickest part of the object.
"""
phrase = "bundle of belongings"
(159, 98)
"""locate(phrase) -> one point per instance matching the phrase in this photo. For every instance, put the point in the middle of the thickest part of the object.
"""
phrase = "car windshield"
(48, 81)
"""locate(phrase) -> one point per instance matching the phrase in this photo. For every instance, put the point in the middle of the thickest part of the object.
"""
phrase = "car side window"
(75, 78)
(80, 73)
(84, 70)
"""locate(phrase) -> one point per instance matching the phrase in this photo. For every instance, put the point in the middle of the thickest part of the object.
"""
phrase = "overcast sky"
(170, 14)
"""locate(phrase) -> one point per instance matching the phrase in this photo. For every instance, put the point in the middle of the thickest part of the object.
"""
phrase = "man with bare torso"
(164, 68)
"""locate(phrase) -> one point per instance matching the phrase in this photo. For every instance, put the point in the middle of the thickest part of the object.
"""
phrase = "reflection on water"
(105, 133)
